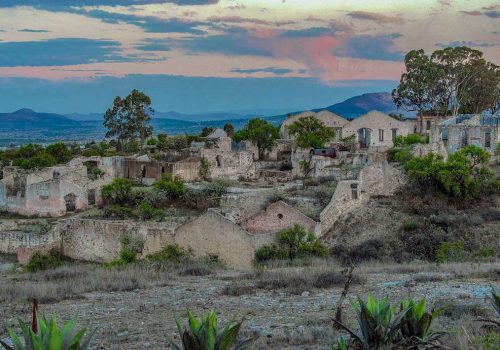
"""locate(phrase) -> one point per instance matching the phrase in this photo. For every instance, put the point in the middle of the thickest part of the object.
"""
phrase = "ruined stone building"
(376, 130)
(331, 120)
(56, 190)
(467, 129)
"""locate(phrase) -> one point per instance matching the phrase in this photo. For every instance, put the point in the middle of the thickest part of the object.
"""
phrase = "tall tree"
(461, 65)
(261, 133)
(419, 88)
(129, 118)
(452, 80)
(229, 129)
(311, 132)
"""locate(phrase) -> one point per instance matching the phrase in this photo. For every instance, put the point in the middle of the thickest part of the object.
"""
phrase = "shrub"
(59, 151)
(147, 211)
(410, 225)
(410, 139)
(170, 254)
(292, 243)
(450, 252)
(118, 192)
(131, 246)
(49, 336)
(205, 334)
(215, 190)
(172, 186)
(38, 261)
(118, 212)
(424, 243)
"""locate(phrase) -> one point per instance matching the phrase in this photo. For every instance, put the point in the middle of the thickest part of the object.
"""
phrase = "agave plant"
(49, 336)
(204, 334)
(495, 300)
(417, 320)
(379, 322)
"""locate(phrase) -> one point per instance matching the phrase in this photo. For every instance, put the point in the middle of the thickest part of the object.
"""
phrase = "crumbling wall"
(100, 240)
(188, 170)
(240, 206)
(216, 236)
(229, 165)
(278, 216)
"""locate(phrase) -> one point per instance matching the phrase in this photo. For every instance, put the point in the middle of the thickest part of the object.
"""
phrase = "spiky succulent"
(204, 334)
(49, 336)
(417, 320)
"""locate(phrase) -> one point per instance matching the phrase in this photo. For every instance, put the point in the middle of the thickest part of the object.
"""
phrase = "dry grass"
(73, 281)
(488, 270)
(293, 279)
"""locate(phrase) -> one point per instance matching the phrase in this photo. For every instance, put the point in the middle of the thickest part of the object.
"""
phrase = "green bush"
(118, 212)
(118, 192)
(148, 211)
(93, 172)
(410, 139)
(39, 262)
(49, 336)
(172, 186)
(451, 252)
(410, 225)
(464, 175)
(131, 246)
(171, 254)
(291, 244)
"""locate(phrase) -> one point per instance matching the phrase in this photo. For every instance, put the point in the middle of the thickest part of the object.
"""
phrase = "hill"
(28, 119)
(359, 105)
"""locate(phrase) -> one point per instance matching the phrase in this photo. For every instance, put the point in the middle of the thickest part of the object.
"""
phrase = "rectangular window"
(428, 125)
(394, 133)
(487, 139)
(381, 135)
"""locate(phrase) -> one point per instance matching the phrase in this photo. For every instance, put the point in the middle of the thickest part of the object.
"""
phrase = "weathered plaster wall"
(188, 170)
(229, 165)
(240, 206)
(214, 235)
(278, 216)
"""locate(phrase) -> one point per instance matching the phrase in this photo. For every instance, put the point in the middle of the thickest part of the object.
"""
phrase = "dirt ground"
(280, 318)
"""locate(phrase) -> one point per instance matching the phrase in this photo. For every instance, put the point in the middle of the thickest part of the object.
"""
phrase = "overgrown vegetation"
(291, 244)
(311, 132)
(40, 262)
(33, 156)
(261, 133)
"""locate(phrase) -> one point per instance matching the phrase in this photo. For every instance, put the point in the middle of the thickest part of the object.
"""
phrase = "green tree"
(311, 132)
(129, 118)
(59, 151)
(229, 129)
(207, 130)
(118, 192)
(419, 88)
(173, 186)
(261, 133)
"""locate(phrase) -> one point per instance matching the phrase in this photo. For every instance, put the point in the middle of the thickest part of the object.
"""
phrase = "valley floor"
(284, 308)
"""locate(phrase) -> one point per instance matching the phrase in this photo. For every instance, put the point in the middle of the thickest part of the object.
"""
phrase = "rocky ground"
(143, 317)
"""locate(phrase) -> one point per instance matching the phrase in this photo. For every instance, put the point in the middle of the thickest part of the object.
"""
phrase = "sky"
(198, 56)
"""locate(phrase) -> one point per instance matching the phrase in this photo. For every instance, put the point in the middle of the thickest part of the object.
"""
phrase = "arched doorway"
(70, 200)
(364, 137)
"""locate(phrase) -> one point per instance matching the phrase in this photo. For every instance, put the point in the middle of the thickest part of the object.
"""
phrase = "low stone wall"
(100, 240)
(12, 238)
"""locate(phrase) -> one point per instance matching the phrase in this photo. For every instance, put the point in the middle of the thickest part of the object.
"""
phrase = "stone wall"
(216, 236)
(278, 216)
(377, 179)
(240, 206)
(100, 240)
(229, 165)
(188, 170)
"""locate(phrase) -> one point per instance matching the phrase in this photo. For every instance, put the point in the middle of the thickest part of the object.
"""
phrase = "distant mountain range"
(26, 125)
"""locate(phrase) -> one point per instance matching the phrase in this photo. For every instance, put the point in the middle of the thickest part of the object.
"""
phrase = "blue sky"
(196, 56)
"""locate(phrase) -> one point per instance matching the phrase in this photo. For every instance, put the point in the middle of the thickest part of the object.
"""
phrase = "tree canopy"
(449, 81)
(260, 132)
(311, 132)
(128, 119)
